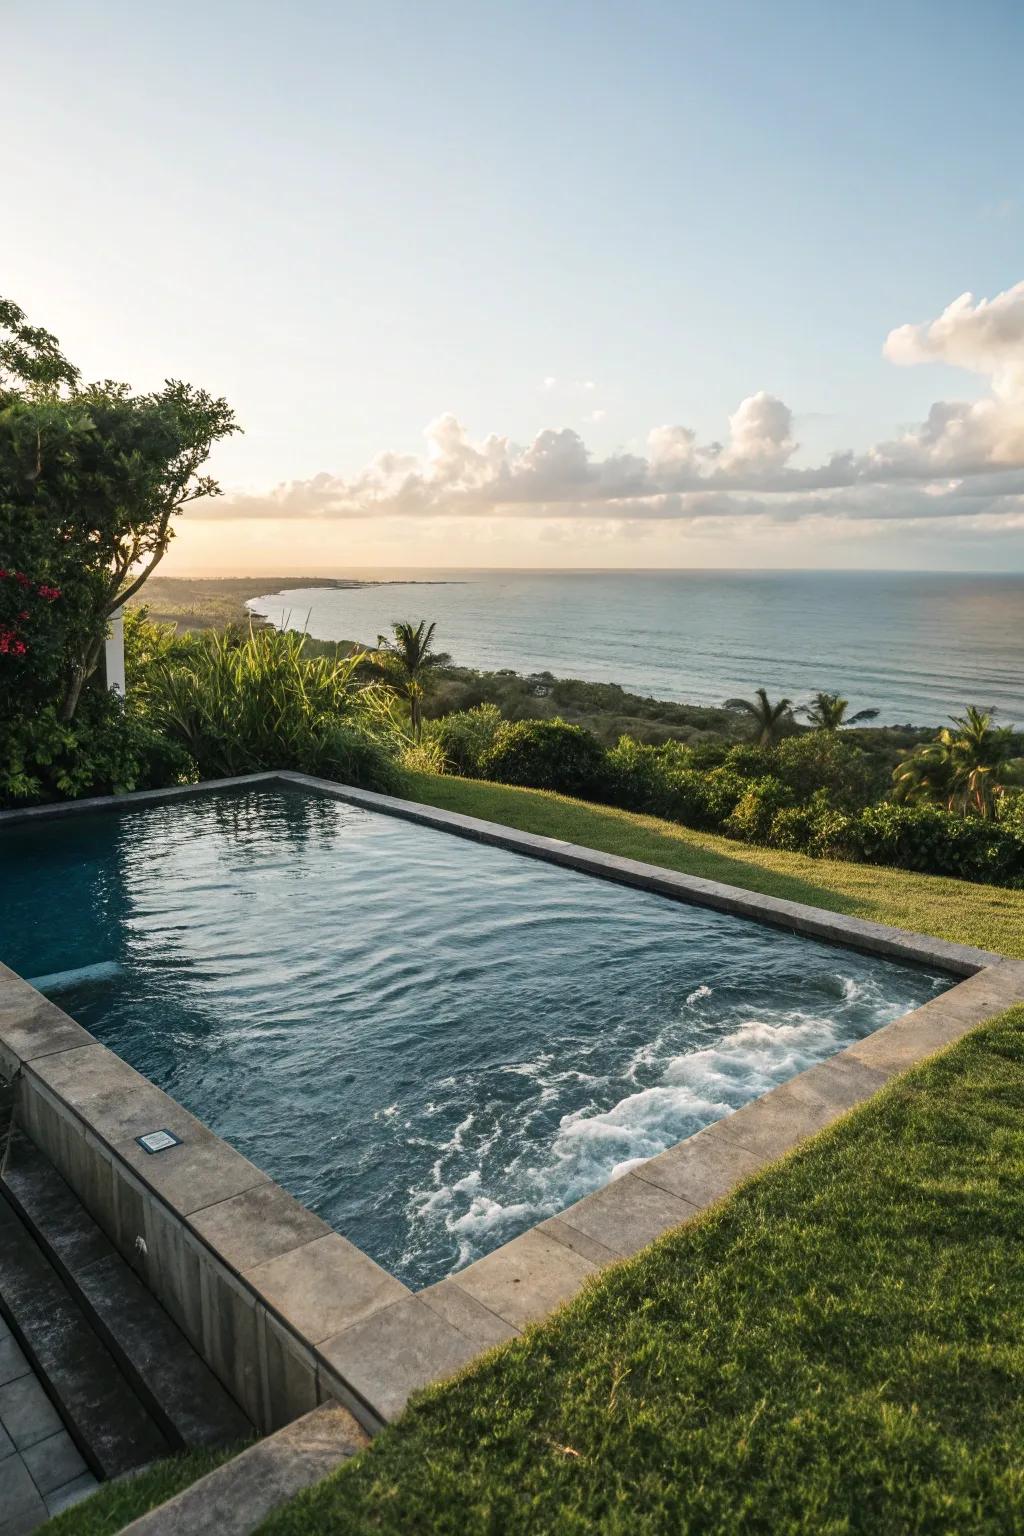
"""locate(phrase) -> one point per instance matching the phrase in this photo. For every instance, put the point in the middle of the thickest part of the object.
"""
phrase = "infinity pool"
(432, 1043)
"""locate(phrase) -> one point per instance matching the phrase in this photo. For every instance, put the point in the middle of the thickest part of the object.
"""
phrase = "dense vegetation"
(815, 791)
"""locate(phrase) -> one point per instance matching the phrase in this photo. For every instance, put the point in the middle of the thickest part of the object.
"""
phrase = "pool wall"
(288, 1313)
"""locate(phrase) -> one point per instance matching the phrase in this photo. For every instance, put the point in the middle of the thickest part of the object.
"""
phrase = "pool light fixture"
(158, 1141)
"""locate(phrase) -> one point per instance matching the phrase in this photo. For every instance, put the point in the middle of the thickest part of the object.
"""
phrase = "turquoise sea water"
(430, 1042)
(918, 647)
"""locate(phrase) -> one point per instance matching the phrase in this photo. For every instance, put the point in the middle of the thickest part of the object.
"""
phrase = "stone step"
(237, 1498)
(106, 1420)
(178, 1388)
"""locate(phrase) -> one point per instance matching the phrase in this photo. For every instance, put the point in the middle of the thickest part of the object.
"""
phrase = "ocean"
(918, 647)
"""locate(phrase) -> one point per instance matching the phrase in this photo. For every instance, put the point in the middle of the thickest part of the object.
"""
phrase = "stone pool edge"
(287, 1312)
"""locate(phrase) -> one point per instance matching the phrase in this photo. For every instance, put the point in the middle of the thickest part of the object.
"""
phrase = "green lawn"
(988, 916)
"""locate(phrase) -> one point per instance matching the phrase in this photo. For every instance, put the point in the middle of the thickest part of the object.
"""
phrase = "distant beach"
(916, 646)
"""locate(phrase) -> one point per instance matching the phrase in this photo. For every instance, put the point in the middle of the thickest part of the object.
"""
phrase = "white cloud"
(965, 461)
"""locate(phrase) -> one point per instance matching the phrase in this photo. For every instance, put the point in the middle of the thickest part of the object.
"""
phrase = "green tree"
(827, 712)
(961, 769)
(768, 721)
(91, 478)
(406, 659)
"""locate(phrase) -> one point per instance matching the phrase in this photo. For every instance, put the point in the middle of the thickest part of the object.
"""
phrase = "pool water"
(430, 1042)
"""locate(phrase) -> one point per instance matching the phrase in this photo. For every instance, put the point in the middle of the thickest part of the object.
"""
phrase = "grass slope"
(987, 916)
(838, 1348)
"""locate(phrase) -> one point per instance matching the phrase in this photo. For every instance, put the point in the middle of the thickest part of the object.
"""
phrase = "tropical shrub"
(926, 838)
(465, 737)
(244, 702)
(546, 754)
(753, 815)
(31, 641)
(109, 748)
(639, 777)
(823, 760)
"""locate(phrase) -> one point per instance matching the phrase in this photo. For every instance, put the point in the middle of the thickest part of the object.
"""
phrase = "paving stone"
(12, 1362)
(202, 1171)
(627, 1214)
(394, 1353)
(258, 1225)
(457, 1307)
(236, 1498)
(27, 1413)
(71, 1493)
(839, 1084)
(773, 1125)
(54, 1462)
(6, 1444)
(23, 1525)
(526, 1279)
(703, 1169)
(579, 1242)
(19, 1496)
(31, 1026)
(939, 1023)
(325, 1286)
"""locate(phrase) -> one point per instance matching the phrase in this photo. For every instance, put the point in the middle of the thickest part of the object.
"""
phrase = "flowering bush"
(30, 635)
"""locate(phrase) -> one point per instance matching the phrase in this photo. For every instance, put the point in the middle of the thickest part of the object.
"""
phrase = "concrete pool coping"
(286, 1311)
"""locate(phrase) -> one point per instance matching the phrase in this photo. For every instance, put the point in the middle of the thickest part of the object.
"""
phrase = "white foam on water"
(590, 1147)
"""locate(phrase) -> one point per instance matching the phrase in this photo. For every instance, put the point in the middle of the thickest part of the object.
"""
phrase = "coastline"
(214, 602)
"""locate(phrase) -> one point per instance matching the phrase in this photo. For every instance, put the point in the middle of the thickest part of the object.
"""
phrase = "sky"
(545, 285)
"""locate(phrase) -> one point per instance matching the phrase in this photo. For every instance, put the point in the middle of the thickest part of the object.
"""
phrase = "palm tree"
(405, 656)
(961, 768)
(769, 720)
(827, 712)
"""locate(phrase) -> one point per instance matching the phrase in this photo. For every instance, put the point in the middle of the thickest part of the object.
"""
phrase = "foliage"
(962, 768)
(928, 838)
(812, 792)
(91, 477)
(31, 641)
(546, 754)
(109, 748)
(828, 711)
(768, 721)
(823, 760)
(405, 657)
(239, 702)
(837, 1348)
(463, 739)
(754, 813)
